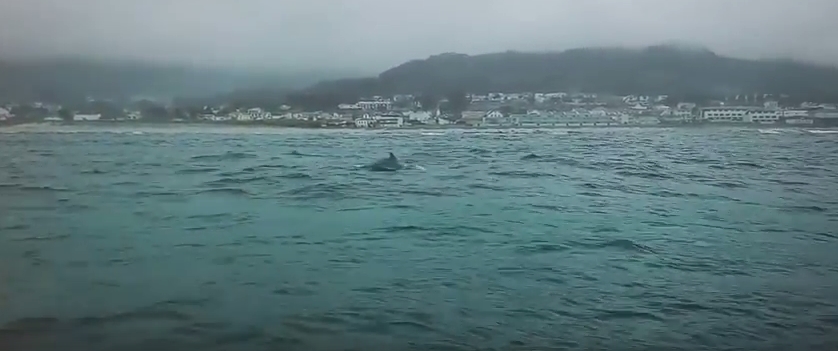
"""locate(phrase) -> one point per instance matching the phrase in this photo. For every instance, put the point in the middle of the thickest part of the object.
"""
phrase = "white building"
(676, 116)
(385, 121)
(478, 98)
(349, 107)
(375, 105)
(497, 119)
(724, 114)
(364, 122)
(389, 121)
(258, 114)
(684, 115)
(326, 116)
(472, 115)
(87, 117)
(5, 114)
(795, 113)
(633, 99)
(239, 116)
(294, 115)
(494, 114)
(133, 115)
(762, 116)
(419, 116)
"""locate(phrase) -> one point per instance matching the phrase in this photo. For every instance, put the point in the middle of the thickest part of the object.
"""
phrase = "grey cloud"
(376, 34)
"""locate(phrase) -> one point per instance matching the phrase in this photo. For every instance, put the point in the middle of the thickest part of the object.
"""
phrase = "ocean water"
(646, 239)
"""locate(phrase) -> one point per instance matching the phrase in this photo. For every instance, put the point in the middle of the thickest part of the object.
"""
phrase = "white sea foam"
(769, 131)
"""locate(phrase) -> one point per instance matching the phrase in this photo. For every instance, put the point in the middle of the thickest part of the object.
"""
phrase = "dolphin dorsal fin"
(392, 157)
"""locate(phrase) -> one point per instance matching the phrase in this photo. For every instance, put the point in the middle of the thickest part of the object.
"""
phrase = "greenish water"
(609, 239)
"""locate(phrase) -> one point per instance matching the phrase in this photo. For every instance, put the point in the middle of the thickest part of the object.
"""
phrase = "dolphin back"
(390, 163)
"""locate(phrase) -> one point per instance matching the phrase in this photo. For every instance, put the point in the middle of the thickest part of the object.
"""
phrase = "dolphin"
(389, 164)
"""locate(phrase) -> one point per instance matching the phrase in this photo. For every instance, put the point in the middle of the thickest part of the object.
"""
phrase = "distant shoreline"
(127, 127)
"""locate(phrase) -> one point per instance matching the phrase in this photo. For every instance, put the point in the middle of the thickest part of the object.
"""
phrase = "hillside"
(663, 69)
(60, 80)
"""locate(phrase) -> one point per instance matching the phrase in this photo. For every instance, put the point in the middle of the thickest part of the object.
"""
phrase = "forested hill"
(662, 69)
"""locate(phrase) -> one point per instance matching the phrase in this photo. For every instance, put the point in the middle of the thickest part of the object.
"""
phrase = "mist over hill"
(688, 72)
(63, 80)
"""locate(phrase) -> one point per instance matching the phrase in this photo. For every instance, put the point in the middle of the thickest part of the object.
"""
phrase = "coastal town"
(494, 110)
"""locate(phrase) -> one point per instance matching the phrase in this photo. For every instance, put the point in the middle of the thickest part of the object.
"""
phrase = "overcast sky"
(375, 34)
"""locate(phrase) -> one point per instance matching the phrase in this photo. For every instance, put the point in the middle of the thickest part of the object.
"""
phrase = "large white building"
(87, 117)
(762, 116)
(724, 114)
(419, 116)
(389, 122)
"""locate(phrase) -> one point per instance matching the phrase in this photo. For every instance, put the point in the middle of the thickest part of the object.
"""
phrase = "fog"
(372, 35)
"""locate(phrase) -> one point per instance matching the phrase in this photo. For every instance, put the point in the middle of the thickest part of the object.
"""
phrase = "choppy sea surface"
(644, 239)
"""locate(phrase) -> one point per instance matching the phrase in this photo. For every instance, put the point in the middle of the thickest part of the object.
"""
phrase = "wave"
(522, 174)
(225, 191)
(197, 170)
(225, 181)
(225, 156)
(42, 188)
(622, 244)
